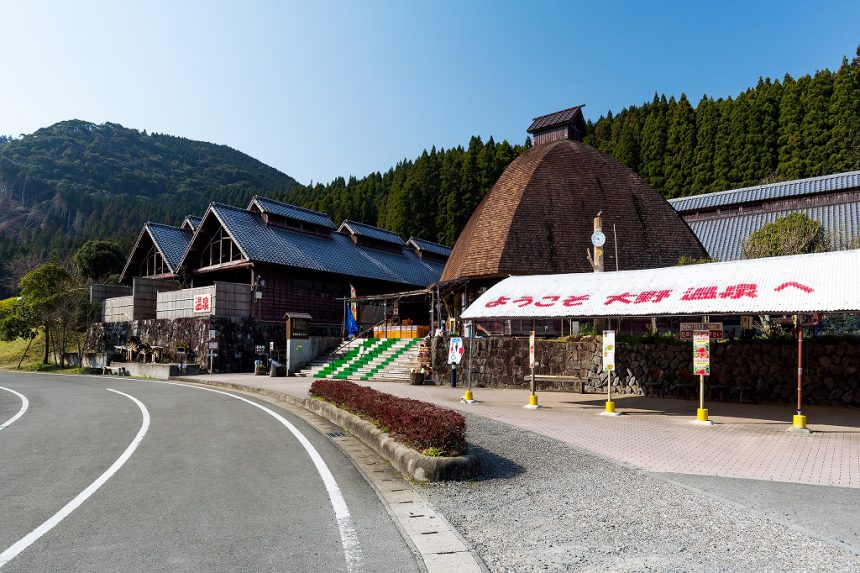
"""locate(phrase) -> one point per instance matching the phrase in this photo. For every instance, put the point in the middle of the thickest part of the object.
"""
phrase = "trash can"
(276, 370)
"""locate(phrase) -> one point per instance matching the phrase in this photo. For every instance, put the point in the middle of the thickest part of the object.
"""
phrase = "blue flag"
(352, 327)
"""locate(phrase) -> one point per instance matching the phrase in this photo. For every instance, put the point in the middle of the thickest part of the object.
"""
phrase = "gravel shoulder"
(544, 506)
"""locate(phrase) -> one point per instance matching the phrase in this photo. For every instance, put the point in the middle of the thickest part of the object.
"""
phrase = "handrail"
(356, 337)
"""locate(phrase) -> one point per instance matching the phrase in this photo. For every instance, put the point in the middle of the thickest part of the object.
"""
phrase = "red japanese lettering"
(622, 298)
(740, 290)
(700, 293)
(796, 285)
(651, 296)
(501, 301)
(524, 300)
(574, 300)
(551, 300)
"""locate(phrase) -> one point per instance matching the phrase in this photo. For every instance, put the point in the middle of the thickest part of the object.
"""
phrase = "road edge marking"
(348, 534)
(25, 403)
(19, 546)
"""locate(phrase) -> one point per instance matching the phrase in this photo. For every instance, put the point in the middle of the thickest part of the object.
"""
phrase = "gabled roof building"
(157, 253)
(724, 220)
(293, 259)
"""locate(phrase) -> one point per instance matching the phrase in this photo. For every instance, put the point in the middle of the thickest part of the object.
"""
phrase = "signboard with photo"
(532, 350)
(455, 350)
(702, 353)
(608, 350)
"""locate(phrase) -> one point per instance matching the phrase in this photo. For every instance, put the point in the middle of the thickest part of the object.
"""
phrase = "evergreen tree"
(680, 148)
(707, 122)
(791, 151)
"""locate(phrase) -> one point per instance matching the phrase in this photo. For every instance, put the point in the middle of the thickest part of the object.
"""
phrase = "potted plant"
(417, 376)
(259, 368)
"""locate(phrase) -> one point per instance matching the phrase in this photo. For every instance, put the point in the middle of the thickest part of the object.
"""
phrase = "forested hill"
(431, 197)
(777, 130)
(76, 180)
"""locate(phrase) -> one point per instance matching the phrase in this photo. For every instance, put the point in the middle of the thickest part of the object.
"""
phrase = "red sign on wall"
(202, 303)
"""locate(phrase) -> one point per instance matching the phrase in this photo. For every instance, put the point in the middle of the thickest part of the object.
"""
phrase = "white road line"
(34, 535)
(25, 403)
(348, 534)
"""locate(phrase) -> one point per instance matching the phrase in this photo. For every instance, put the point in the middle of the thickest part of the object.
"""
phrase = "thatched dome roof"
(537, 218)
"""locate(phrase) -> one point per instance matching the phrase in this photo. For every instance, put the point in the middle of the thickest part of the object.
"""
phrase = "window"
(220, 249)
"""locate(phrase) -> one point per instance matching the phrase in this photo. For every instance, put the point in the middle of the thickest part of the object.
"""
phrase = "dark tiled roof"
(430, 247)
(333, 253)
(537, 218)
(171, 242)
(193, 222)
(362, 230)
(724, 237)
(772, 191)
(293, 212)
(554, 119)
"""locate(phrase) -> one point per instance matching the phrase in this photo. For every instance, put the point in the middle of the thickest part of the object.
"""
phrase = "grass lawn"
(10, 354)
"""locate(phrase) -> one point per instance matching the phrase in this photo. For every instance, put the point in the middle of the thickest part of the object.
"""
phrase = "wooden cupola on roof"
(370, 236)
(565, 124)
(292, 217)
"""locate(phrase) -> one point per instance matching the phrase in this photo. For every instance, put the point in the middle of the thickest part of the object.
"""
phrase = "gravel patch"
(541, 505)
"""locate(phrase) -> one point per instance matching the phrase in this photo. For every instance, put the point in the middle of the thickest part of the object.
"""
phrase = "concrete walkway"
(747, 441)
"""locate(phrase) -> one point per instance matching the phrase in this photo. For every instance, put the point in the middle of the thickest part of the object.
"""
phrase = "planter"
(417, 378)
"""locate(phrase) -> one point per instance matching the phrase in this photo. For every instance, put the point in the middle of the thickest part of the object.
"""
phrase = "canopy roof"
(821, 282)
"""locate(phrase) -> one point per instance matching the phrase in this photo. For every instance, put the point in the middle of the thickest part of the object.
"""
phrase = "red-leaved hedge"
(417, 424)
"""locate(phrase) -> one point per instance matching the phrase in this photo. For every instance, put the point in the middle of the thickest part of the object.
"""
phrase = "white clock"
(598, 238)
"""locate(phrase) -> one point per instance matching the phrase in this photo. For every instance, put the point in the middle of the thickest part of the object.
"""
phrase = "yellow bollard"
(702, 417)
(799, 422)
(467, 396)
(610, 407)
(533, 400)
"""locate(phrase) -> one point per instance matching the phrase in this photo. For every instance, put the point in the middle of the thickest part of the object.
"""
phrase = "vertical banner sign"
(455, 350)
(353, 306)
(702, 353)
(608, 350)
(532, 350)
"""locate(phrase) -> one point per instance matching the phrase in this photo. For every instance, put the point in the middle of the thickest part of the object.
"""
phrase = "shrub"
(419, 425)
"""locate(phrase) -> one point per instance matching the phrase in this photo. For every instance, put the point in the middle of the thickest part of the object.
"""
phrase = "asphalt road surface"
(105, 474)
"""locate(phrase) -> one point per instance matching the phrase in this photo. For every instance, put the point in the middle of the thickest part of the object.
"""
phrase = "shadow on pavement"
(494, 466)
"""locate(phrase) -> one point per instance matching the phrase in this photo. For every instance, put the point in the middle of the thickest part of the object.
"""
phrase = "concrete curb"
(407, 461)
(421, 468)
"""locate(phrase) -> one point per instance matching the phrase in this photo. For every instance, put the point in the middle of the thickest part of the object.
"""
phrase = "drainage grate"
(336, 434)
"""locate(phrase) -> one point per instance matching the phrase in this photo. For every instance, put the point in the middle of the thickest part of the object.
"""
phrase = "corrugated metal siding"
(724, 237)
(821, 282)
(293, 212)
(823, 184)
(227, 299)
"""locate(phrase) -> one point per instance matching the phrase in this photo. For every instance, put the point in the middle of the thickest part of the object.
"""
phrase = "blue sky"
(321, 89)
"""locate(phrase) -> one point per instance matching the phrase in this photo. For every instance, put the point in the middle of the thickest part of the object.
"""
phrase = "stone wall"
(237, 339)
(832, 366)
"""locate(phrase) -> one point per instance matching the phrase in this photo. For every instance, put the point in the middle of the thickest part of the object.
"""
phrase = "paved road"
(215, 484)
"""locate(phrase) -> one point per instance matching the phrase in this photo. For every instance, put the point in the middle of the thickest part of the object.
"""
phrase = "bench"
(578, 383)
